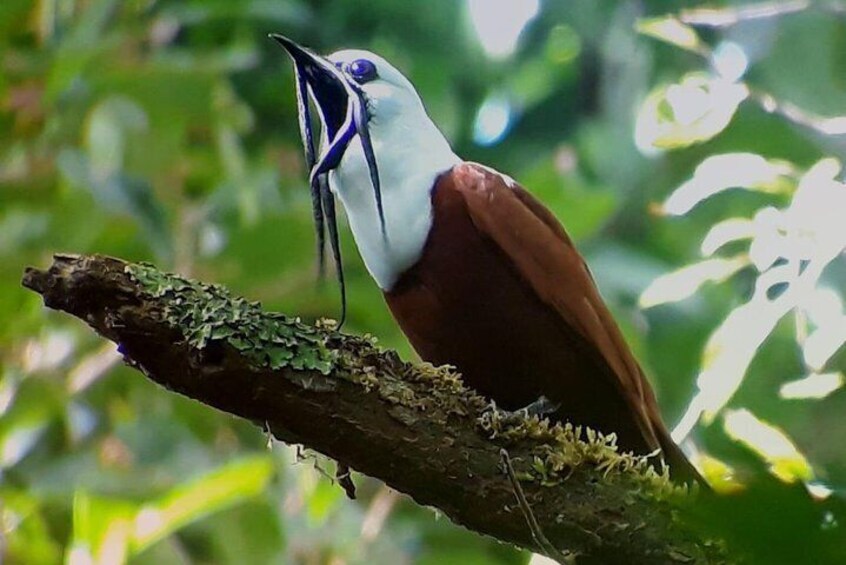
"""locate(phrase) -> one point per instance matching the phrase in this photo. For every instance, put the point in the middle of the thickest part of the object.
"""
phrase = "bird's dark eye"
(363, 71)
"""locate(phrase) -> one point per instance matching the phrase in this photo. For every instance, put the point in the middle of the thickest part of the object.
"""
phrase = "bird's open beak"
(330, 90)
(342, 108)
(343, 113)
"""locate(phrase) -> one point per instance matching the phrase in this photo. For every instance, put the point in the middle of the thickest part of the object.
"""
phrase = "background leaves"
(166, 130)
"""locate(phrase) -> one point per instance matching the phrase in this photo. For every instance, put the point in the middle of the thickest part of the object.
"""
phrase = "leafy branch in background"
(109, 530)
(796, 233)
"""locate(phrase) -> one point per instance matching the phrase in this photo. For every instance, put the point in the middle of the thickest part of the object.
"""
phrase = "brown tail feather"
(681, 469)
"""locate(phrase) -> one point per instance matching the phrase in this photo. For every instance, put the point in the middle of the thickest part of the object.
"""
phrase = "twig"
(534, 527)
(344, 478)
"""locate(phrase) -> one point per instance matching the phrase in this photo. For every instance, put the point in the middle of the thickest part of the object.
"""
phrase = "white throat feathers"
(410, 153)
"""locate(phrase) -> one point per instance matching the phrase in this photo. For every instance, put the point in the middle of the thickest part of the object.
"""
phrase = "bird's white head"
(389, 93)
(380, 153)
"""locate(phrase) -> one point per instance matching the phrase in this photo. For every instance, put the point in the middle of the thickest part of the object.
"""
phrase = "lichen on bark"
(414, 426)
(209, 312)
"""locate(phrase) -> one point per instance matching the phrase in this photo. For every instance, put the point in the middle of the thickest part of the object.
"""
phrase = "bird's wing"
(544, 256)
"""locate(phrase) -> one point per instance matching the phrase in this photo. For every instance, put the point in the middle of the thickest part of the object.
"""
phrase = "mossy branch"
(552, 489)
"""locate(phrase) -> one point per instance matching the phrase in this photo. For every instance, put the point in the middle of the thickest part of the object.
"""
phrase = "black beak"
(326, 84)
(342, 107)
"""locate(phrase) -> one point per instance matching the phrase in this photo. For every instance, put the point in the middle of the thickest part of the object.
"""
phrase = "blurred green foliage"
(166, 131)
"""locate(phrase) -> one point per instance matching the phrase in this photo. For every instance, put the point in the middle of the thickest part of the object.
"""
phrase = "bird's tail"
(681, 469)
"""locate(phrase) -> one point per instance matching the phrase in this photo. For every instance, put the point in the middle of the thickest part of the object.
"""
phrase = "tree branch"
(415, 427)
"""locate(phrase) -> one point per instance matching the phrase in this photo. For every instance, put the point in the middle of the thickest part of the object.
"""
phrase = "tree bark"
(556, 490)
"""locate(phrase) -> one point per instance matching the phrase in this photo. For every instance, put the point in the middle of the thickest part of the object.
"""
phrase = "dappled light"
(771, 443)
(492, 120)
(790, 244)
(499, 23)
(721, 172)
(815, 385)
(789, 248)
(695, 156)
(729, 61)
(691, 111)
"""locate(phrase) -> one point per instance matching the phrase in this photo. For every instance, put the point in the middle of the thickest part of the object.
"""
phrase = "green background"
(166, 131)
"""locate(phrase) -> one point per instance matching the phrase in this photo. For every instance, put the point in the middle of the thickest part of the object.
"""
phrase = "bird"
(476, 271)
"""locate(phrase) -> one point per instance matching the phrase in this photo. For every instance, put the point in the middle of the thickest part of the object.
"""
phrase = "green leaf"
(684, 282)
(194, 12)
(725, 232)
(815, 214)
(823, 343)
(730, 350)
(322, 500)
(582, 207)
(27, 538)
(730, 170)
(102, 529)
(690, 112)
(20, 227)
(194, 499)
(771, 443)
(670, 30)
(108, 124)
(815, 386)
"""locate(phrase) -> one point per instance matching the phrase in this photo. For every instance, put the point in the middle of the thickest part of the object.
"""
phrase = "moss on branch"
(414, 426)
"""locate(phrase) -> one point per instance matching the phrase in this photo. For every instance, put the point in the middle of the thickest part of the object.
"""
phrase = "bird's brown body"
(478, 274)
(501, 293)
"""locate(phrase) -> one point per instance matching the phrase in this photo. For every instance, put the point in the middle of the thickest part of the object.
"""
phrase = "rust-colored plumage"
(501, 293)
(479, 274)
